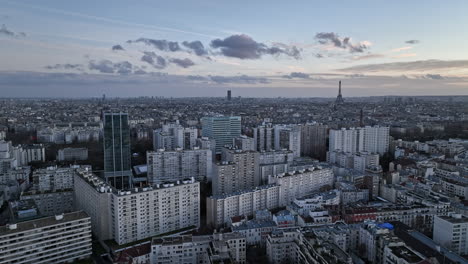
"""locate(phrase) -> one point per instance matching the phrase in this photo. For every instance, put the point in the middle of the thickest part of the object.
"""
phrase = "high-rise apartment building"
(238, 171)
(62, 238)
(314, 140)
(273, 163)
(452, 232)
(366, 139)
(179, 164)
(264, 137)
(223, 129)
(117, 153)
(172, 136)
(288, 137)
(244, 143)
(131, 215)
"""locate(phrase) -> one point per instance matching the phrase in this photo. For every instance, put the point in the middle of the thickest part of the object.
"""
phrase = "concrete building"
(452, 232)
(71, 154)
(138, 213)
(216, 248)
(172, 136)
(288, 137)
(238, 170)
(53, 178)
(244, 143)
(314, 140)
(223, 129)
(117, 156)
(264, 137)
(369, 139)
(56, 239)
(274, 162)
(359, 161)
(51, 203)
(179, 164)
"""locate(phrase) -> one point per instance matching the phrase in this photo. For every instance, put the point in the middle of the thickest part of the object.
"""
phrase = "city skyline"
(58, 49)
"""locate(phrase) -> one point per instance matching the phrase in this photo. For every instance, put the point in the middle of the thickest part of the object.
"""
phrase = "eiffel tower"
(339, 98)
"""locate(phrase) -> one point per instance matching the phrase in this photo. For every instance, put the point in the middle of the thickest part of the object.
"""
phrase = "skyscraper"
(229, 95)
(117, 159)
(339, 98)
(223, 129)
(314, 140)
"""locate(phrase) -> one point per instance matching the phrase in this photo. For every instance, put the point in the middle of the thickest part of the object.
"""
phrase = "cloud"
(117, 47)
(155, 60)
(196, 46)
(413, 41)
(242, 79)
(5, 31)
(196, 78)
(300, 75)
(404, 55)
(184, 63)
(401, 49)
(422, 65)
(367, 57)
(66, 66)
(107, 66)
(433, 77)
(331, 38)
(244, 47)
(160, 44)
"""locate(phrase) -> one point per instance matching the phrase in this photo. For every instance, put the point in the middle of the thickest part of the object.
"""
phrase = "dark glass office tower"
(117, 159)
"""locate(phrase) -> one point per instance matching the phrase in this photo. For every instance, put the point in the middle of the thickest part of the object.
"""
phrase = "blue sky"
(256, 48)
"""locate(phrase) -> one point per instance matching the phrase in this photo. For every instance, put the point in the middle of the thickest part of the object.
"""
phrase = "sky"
(53, 48)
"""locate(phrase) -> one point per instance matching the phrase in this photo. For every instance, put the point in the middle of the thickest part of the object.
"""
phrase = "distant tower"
(229, 95)
(339, 98)
(103, 97)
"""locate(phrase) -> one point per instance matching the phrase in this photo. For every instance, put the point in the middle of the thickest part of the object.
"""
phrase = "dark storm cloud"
(160, 44)
(242, 79)
(5, 31)
(196, 46)
(155, 60)
(343, 43)
(299, 75)
(413, 41)
(66, 66)
(244, 47)
(184, 63)
(410, 66)
(107, 66)
(117, 47)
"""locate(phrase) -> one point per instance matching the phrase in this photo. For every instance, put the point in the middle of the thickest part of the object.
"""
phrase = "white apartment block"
(56, 239)
(19, 173)
(274, 162)
(359, 161)
(281, 191)
(51, 203)
(264, 137)
(216, 248)
(53, 178)
(244, 143)
(369, 139)
(172, 136)
(72, 154)
(282, 246)
(288, 137)
(131, 215)
(179, 164)
(220, 208)
(298, 184)
(452, 232)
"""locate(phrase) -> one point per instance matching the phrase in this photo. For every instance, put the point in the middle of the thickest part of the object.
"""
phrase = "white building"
(274, 162)
(244, 143)
(288, 137)
(53, 178)
(71, 154)
(264, 137)
(452, 232)
(51, 203)
(179, 164)
(223, 129)
(369, 139)
(216, 248)
(56, 239)
(172, 136)
(359, 161)
(131, 215)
